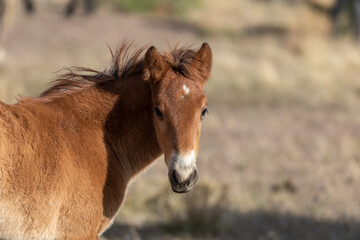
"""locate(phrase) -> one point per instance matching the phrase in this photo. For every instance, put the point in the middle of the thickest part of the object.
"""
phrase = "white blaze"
(186, 89)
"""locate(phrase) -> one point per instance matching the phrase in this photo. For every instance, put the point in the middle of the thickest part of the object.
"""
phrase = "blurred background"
(280, 151)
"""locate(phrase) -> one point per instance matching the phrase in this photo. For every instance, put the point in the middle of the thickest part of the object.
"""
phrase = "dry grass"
(280, 150)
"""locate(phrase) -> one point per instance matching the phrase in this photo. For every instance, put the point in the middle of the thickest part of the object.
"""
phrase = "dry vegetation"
(280, 150)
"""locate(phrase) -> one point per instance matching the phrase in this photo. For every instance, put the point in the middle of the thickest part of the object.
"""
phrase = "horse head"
(179, 106)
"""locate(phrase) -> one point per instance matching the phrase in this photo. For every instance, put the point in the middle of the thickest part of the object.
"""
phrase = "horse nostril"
(194, 176)
(175, 177)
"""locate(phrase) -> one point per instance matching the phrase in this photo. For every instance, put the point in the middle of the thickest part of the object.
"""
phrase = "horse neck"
(123, 112)
(129, 128)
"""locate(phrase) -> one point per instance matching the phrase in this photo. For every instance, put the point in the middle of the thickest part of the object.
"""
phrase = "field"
(280, 150)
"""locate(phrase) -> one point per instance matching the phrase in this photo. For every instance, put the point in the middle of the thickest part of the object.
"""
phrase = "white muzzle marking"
(182, 160)
(182, 167)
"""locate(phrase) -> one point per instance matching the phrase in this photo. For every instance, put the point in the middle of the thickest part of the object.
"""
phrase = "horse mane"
(124, 63)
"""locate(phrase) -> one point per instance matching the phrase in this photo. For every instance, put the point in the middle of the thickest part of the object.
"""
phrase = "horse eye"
(158, 112)
(204, 112)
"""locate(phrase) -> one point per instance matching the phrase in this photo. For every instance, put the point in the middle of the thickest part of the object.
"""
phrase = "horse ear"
(155, 66)
(203, 61)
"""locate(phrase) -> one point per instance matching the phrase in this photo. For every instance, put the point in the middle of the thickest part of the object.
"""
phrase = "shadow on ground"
(255, 225)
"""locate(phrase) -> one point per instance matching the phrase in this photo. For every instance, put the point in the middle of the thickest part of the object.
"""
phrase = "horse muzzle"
(183, 179)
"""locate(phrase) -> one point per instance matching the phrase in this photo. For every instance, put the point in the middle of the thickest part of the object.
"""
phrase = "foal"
(67, 156)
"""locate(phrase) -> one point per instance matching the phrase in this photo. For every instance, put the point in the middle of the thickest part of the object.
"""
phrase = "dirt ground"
(280, 150)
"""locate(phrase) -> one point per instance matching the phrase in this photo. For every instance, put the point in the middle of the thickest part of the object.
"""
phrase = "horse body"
(67, 157)
(43, 185)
